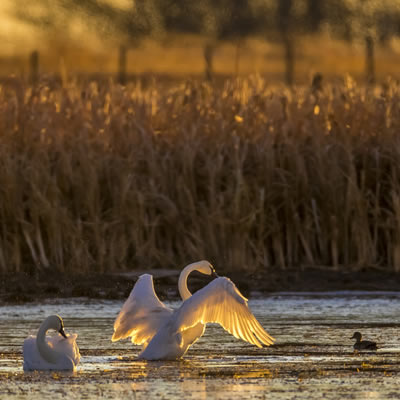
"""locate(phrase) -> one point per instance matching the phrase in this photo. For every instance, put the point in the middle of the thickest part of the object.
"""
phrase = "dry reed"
(99, 177)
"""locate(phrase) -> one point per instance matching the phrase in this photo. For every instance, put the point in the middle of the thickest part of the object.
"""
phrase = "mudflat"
(313, 355)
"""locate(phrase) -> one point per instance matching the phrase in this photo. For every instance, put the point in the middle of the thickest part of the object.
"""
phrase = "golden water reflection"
(312, 355)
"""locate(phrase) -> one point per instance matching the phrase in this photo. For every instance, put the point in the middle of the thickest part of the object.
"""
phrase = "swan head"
(203, 267)
(55, 322)
(357, 336)
(206, 268)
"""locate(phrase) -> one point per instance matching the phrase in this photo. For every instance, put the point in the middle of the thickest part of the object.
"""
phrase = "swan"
(167, 334)
(43, 352)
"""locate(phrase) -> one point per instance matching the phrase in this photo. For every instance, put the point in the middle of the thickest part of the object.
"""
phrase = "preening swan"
(43, 352)
(166, 334)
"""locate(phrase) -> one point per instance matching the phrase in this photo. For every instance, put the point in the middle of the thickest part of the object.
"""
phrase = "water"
(312, 357)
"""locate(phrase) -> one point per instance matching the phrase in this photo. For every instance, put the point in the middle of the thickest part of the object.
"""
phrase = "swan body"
(167, 334)
(43, 352)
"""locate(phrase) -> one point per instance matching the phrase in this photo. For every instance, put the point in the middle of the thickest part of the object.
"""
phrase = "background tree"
(214, 20)
(218, 20)
(368, 21)
(315, 14)
(286, 28)
(286, 21)
(140, 19)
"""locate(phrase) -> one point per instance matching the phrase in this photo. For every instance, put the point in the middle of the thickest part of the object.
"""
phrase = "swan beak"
(214, 274)
(63, 332)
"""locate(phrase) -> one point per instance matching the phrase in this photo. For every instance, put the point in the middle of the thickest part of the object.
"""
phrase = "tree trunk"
(208, 59)
(34, 67)
(122, 65)
(370, 59)
(237, 56)
(289, 58)
(286, 23)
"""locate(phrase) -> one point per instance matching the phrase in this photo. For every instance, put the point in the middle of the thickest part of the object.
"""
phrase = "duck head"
(357, 336)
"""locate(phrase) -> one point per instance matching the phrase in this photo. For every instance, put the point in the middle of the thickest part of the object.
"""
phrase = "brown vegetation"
(99, 177)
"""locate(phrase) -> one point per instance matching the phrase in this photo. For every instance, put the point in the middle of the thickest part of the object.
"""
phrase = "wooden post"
(122, 65)
(34, 67)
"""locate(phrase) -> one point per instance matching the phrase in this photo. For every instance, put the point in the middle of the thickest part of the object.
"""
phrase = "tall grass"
(99, 177)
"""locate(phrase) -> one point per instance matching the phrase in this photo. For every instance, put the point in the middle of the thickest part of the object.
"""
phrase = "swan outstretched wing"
(221, 302)
(142, 314)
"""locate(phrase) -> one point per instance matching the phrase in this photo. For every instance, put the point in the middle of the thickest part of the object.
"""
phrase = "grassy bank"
(102, 178)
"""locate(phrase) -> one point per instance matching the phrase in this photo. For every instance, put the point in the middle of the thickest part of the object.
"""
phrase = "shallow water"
(312, 357)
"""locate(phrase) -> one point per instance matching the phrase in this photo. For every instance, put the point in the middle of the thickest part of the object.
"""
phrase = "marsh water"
(313, 355)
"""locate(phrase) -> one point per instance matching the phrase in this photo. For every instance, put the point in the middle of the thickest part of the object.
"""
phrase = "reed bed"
(97, 177)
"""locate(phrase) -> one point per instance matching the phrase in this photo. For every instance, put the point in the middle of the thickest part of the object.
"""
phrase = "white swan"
(166, 334)
(43, 352)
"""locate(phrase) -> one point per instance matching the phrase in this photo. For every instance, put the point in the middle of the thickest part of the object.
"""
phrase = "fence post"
(122, 65)
(34, 67)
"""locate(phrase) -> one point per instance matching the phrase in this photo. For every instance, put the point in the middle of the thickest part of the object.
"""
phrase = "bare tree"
(368, 21)
(105, 18)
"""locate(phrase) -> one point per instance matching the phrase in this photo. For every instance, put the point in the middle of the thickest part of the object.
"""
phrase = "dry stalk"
(96, 177)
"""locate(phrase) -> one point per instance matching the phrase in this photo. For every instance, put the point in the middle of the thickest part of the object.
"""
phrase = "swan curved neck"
(49, 354)
(182, 283)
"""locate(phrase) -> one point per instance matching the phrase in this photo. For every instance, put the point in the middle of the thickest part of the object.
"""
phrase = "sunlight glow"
(13, 31)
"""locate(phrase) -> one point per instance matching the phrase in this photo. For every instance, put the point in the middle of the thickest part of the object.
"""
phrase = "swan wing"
(221, 302)
(66, 346)
(32, 358)
(142, 314)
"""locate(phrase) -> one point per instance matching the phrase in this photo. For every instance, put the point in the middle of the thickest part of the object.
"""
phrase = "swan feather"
(142, 314)
(221, 302)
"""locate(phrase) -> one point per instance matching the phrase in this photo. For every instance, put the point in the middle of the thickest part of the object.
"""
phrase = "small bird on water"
(363, 344)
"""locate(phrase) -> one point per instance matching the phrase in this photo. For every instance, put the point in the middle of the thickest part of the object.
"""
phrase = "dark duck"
(363, 344)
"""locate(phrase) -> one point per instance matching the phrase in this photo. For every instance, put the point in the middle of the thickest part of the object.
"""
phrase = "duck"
(363, 344)
(167, 334)
(58, 352)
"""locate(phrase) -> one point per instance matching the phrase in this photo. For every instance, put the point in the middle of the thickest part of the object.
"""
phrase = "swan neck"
(182, 284)
(48, 354)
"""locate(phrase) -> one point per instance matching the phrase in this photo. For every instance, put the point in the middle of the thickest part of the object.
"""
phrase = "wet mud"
(22, 288)
(313, 355)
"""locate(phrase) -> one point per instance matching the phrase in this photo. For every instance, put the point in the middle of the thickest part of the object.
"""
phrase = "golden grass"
(99, 177)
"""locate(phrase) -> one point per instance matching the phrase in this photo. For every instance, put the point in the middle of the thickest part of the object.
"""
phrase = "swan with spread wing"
(167, 334)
